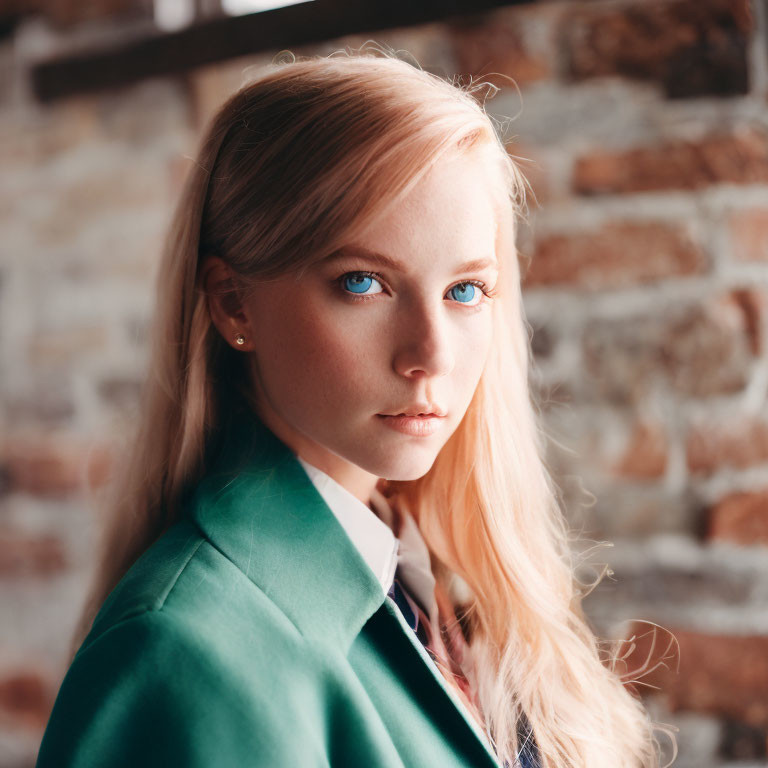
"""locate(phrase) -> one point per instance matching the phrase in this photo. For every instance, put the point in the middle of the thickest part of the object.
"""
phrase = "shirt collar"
(373, 535)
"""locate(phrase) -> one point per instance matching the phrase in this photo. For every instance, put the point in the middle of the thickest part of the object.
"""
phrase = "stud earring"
(240, 339)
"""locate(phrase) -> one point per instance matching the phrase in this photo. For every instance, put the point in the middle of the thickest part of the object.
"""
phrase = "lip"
(415, 426)
(422, 408)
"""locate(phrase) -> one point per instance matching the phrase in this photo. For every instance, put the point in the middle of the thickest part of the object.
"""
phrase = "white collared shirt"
(371, 533)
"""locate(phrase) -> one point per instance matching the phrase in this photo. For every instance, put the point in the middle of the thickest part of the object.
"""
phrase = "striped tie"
(435, 645)
(448, 663)
(444, 639)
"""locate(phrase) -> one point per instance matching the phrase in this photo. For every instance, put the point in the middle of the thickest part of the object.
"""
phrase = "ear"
(225, 303)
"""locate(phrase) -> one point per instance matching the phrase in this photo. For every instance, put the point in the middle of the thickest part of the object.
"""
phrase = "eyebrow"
(474, 265)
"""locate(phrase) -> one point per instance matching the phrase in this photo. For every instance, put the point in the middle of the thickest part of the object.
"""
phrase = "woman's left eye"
(468, 290)
(464, 292)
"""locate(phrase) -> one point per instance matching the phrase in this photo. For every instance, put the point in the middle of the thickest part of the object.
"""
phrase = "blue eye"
(463, 289)
(360, 281)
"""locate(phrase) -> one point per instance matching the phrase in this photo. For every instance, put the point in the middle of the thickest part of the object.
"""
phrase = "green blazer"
(253, 633)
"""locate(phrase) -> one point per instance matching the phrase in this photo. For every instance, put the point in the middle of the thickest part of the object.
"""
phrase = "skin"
(328, 363)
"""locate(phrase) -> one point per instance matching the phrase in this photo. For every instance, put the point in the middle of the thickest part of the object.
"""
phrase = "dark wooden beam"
(225, 38)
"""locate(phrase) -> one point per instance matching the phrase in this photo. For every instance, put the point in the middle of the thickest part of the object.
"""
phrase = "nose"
(423, 344)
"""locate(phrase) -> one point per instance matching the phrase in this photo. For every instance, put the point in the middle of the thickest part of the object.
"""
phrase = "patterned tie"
(435, 644)
(444, 638)
(449, 663)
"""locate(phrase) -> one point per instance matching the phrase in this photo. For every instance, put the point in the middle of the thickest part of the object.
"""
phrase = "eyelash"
(489, 293)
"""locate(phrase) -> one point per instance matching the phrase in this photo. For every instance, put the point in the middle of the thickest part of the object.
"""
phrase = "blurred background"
(642, 126)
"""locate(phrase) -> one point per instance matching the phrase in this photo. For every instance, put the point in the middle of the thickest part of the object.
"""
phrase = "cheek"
(487, 340)
(337, 356)
(475, 349)
(312, 356)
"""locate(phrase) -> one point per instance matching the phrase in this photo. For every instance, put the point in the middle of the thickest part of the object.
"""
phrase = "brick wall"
(643, 128)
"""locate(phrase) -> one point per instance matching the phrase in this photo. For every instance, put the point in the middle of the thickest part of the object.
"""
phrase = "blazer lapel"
(258, 506)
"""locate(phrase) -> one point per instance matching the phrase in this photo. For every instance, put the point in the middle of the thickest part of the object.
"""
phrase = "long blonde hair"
(293, 165)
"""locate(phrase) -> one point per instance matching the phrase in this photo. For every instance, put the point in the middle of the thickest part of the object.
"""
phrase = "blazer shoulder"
(183, 575)
(189, 663)
(151, 690)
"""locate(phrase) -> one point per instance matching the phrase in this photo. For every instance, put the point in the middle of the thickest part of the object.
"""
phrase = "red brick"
(23, 554)
(749, 235)
(618, 255)
(722, 675)
(738, 157)
(741, 518)
(496, 42)
(690, 47)
(646, 454)
(25, 698)
(708, 350)
(739, 442)
(701, 349)
(754, 305)
(47, 465)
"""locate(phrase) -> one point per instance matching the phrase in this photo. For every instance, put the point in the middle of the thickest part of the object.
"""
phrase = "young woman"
(334, 541)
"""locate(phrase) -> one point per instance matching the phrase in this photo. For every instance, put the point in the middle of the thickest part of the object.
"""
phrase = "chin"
(407, 467)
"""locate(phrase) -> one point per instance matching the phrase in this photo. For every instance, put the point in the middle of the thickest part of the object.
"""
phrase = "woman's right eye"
(357, 284)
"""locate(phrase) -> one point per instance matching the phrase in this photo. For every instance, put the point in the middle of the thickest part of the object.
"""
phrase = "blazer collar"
(257, 505)
(373, 538)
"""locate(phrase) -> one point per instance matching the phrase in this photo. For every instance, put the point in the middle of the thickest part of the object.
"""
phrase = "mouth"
(420, 425)
(410, 415)
(425, 410)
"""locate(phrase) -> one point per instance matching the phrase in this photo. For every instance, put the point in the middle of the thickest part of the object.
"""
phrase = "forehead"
(448, 218)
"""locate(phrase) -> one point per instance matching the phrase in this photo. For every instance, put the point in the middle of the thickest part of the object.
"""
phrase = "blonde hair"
(293, 165)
